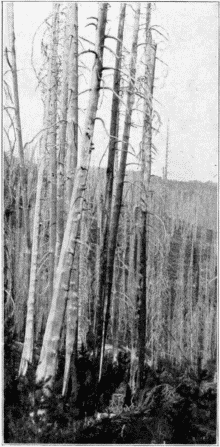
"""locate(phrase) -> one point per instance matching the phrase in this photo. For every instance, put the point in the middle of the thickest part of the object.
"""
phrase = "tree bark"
(110, 177)
(72, 124)
(51, 145)
(107, 287)
(145, 179)
(113, 144)
(27, 353)
(13, 67)
(72, 151)
(48, 359)
(62, 148)
(167, 152)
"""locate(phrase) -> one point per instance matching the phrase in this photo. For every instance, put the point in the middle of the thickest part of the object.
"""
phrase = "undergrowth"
(175, 407)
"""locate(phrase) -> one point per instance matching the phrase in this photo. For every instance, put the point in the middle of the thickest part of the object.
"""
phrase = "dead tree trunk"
(72, 152)
(27, 354)
(49, 353)
(110, 176)
(23, 175)
(72, 117)
(62, 148)
(107, 286)
(167, 153)
(144, 205)
(51, 146)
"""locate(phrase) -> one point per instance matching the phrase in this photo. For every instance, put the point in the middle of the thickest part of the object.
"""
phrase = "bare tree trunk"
(113, 144)
(116, 310)
(48, 359)
(167, 152)
(107, 287)
(72, 124)
(110, 176)
(112, 160)
(72, 151)
(13, 67)
(145, 177)
(51, 145)
(27, 354)
(83, 285)
(72, 330)
(141, 299)
(62, 146)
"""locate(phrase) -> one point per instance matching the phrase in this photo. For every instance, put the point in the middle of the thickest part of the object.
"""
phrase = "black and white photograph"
(110, 223)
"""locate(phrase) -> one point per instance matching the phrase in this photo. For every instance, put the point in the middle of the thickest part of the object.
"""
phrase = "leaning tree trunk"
(107, 286)
(49, 353)
(13, 67)
(51, 146)
(27, 353)
(145, 178)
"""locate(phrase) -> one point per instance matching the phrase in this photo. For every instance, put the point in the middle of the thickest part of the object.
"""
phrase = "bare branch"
(88, 51)
(7, 58)
(103, 123)
(91, 24)
(117, 40)
(32, 44)
(161, 34)
(86, 40)
(120, 99)
(11, 145)
(111, 51)
(8, 107)
(162, 61)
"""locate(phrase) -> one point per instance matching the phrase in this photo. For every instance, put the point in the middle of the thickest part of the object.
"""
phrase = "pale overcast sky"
(188, 94)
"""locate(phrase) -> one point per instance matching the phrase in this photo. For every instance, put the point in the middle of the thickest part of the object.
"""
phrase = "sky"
(185, 92)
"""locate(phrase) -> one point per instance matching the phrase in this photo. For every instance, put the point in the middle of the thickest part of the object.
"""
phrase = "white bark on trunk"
(72, 151)
(62, 146)
(13, 66)
(83, 287)
(48, 359)
(51, 145)
(27, 354)
(72, 121)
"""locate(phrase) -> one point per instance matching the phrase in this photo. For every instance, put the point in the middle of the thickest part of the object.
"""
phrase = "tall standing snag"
(113, 143)
(13, 67)
(27, 353)
(51, 145)
(106, 293)
(150, 53)
(72, 153)
(62, 146)
(48, 359)
(72, 116)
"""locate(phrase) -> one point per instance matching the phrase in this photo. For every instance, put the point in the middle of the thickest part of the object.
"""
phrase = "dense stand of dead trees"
(118, 262)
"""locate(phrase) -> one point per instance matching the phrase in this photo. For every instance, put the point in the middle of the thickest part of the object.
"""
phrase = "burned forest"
(109, 262)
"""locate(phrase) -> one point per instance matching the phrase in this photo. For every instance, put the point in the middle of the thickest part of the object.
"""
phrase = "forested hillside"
(110, 273)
